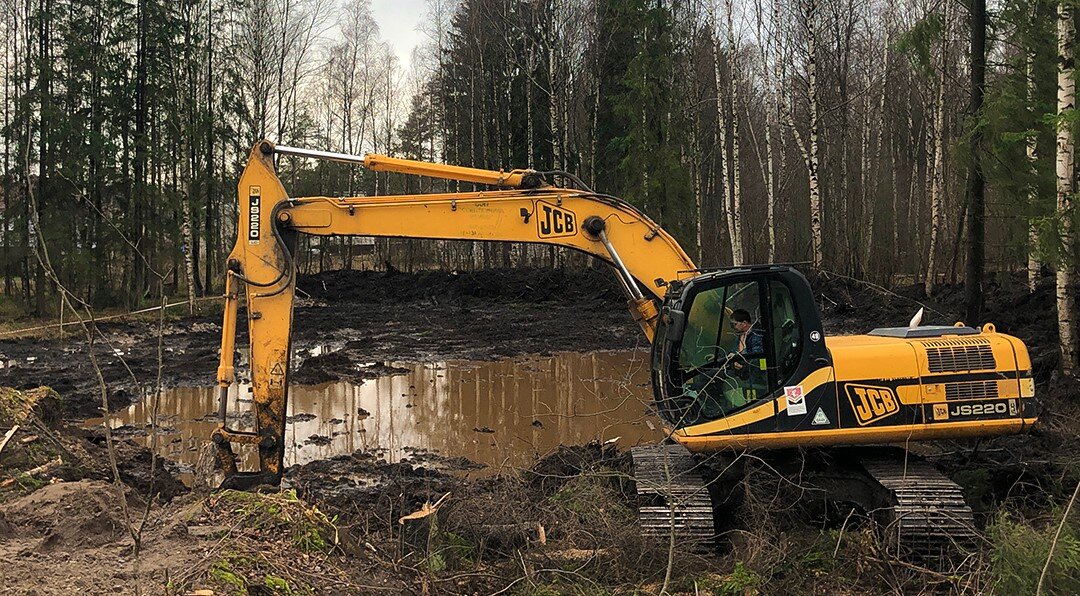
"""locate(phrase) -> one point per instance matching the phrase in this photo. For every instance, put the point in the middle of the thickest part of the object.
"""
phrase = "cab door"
(734, 341)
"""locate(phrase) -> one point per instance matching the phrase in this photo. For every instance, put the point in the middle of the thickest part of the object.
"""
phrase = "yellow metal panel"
(911, 394)
(863, 357)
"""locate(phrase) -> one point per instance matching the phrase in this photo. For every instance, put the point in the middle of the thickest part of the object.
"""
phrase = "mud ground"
(364, 316)
(353, 524)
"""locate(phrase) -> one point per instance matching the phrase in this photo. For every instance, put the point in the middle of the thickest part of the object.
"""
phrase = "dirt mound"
(43, 450)
(363, 481)
(339, 365)
(134, 462)
(69, 514)
(552, 471)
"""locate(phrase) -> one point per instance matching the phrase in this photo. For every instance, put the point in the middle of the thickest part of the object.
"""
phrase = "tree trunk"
(695, 176)
(1066, 101)
(976, 213)
(938, 176)
(186, 230)
(772, 120)
(869, 244)
(1033, 194)
(721, 127)
(816, 215)
(738, 250)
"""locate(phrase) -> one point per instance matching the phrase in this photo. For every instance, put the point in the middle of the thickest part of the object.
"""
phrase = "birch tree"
(722, 119)
(1066, 102)
(937, 179)
(738, 249)
(810, 150)
(1031, 153)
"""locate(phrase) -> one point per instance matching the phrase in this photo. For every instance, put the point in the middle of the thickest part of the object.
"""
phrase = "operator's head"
(740, 320)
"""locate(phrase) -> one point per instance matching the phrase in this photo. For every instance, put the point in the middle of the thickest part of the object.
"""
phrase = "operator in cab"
(751, 339)
(721, 354)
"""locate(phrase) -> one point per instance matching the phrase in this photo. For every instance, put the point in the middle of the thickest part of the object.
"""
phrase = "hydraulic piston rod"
(383, 163)
(596, 226)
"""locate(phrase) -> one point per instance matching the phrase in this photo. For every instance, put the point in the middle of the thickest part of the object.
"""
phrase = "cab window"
(786, 333)
(723, 361)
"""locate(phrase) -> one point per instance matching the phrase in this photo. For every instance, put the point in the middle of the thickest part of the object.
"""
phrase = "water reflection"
(499, 414)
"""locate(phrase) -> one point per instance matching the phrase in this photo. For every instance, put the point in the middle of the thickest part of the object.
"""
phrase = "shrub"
(1020, 551)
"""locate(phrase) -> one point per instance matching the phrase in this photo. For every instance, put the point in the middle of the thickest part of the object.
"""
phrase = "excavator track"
(674, 494)
(926, 517)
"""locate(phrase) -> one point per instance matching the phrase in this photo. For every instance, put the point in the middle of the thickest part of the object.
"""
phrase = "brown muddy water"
(502, 414)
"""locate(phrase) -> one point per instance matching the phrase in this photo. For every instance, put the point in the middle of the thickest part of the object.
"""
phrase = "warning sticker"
(796, 402)
(820, 419)
(277, 375)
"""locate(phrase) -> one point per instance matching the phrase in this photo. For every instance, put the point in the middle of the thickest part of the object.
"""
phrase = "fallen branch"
(7, 436)
(42, 469)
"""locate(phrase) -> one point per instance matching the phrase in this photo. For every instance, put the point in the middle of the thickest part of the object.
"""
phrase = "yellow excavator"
(739, 357)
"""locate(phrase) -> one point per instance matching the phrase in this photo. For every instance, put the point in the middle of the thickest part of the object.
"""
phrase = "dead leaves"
(425, 510)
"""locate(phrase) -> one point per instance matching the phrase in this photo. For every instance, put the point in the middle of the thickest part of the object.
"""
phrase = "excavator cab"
(733, 339)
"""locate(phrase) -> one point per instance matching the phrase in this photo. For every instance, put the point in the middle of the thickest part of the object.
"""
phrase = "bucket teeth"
(669, 479)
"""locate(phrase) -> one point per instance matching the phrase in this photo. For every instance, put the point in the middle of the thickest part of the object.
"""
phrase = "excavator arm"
(522, 208)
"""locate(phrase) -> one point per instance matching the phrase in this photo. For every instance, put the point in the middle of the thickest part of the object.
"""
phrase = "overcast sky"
(398, 20)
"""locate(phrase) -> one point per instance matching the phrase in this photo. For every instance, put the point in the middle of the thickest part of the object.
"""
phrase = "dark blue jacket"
(755, 343)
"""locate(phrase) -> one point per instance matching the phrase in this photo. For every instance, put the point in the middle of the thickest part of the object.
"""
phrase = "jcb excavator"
(739, 357)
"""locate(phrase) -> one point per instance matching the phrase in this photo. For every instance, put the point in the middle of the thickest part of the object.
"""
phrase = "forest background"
(902, 142)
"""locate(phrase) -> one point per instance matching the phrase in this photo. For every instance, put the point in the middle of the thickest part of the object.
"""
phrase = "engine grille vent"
(959, 358)
(971, 390)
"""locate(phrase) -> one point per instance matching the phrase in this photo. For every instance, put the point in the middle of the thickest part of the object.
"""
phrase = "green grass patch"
(1020, 551)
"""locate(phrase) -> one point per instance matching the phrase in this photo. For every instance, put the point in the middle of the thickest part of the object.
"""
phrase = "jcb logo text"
(872, 403)
(978, 409)
(553, 221)
(254, 212)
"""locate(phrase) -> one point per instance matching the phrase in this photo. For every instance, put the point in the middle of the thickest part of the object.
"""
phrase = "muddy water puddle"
(500, 414)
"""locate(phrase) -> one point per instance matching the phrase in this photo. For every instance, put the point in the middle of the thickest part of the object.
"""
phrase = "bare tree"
(1030, 151)
(1066, 101)
(937, 178)
(738, 248)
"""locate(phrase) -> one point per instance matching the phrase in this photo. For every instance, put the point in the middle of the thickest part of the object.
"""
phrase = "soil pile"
(850, 306)
(69, 514)
(43, 449)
